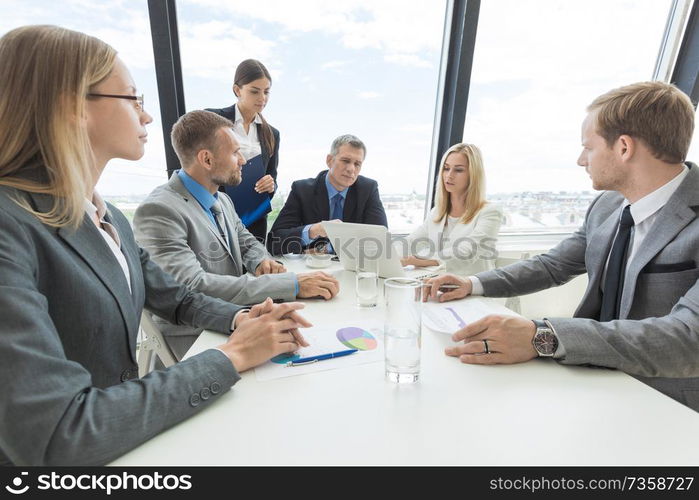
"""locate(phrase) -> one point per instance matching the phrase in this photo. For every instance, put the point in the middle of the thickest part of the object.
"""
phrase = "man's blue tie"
(336, 212)
(616, 268)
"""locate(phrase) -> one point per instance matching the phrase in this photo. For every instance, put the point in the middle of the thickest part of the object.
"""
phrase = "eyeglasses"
(137, 98)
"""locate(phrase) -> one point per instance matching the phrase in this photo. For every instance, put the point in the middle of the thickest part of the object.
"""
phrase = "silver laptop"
(350, 240)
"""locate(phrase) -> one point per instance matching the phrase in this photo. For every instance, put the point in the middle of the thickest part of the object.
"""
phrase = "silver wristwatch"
(545, 341)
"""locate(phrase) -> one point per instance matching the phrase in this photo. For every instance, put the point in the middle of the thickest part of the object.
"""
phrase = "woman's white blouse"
(463, 249)
(250, 145)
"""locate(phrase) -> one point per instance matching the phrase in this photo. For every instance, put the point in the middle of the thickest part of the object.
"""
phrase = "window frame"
(676, 61)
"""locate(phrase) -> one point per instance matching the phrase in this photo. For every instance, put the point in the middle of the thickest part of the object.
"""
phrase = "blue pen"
(320, 357)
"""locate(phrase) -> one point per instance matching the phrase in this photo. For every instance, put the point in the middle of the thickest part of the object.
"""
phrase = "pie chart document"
(366, 337)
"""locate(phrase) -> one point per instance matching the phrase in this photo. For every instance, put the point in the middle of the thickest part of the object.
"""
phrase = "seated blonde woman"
(461, 230)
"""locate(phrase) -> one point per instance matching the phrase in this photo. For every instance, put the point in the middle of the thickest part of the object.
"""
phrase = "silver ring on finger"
(486, 347)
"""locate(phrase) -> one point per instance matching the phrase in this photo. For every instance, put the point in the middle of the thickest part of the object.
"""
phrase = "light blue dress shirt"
(206, 200)
(201, 194)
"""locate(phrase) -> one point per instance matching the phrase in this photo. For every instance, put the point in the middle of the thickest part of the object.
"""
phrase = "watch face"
(545, 342)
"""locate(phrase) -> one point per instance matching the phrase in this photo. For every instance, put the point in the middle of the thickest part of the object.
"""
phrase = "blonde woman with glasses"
(73, 282)
(461, 230)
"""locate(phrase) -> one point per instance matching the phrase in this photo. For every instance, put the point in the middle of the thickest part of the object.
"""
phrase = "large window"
(369, 68)
(537, 65)
(125, 26)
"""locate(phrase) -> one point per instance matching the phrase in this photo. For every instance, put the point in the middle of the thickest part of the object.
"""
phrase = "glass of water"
(367, 277)
(402, 329)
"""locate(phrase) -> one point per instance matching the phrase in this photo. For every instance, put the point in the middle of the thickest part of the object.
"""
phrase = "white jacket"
(469, 249)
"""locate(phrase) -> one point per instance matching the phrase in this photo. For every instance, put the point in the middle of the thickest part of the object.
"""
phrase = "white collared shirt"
(108, 232)
(645, 211)
(250, 145)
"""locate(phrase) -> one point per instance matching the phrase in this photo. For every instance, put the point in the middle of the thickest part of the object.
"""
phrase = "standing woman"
(73, 281)
(461, 230)
(259, 145)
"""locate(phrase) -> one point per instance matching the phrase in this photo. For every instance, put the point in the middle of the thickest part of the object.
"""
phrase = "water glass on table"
(367, 282)
(402, 329)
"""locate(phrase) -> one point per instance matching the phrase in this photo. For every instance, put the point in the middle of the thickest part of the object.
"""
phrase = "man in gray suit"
(639, 245)
(193, 232)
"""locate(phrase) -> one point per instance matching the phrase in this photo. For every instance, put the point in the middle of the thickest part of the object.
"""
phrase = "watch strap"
(541, 324)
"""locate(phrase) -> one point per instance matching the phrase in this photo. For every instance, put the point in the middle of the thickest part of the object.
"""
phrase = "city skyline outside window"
(371, 69)
(537, 65)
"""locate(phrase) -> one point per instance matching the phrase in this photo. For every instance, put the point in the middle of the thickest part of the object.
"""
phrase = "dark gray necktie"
(220, 220)
(616, 269)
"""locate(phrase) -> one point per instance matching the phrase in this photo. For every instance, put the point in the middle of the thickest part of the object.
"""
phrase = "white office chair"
(152, 342)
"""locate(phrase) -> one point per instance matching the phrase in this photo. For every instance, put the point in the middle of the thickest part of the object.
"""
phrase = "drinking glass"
(402, 333)
(367, 282)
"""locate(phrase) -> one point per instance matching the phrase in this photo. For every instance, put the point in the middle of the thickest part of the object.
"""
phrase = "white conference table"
(536, 413)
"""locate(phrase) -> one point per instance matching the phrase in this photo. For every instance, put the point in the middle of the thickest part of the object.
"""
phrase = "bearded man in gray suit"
(193, 232)
(639, 245)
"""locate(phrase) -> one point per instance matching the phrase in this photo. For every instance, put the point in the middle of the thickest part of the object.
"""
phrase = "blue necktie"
(336, 212)
(614, 281)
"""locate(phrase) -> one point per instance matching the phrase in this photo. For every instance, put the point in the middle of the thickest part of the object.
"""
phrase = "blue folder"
(249, 204)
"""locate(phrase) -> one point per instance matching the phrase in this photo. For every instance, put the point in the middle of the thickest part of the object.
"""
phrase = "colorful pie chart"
(356, 338)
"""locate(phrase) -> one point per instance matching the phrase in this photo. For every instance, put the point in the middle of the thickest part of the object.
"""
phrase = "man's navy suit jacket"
(308, 203)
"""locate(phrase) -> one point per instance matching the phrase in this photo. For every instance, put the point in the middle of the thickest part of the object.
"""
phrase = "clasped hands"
(270, 329)
(494, 339)
(265, 331)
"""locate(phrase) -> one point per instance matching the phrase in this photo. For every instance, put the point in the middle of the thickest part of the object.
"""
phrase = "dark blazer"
(68, 326)
(270, 159)
(308, 203)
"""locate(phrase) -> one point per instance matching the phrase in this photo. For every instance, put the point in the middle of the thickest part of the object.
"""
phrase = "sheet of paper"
(447, 317)
(364, 336)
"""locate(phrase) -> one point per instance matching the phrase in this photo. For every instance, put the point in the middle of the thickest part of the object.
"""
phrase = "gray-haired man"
(338, 193)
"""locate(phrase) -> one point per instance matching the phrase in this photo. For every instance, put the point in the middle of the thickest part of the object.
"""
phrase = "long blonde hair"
(475, 194)
(45, 75)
